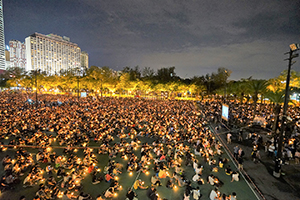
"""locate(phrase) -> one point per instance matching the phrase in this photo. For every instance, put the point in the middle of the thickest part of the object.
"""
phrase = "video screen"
(83, 94)
(225, 112)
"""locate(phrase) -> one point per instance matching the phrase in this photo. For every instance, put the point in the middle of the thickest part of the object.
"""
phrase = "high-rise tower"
(2, 40)
(17, 54)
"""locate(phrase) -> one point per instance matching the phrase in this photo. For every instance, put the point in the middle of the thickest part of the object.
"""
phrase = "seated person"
(235, 176)
(155, 180)
(197, 178)
(217, 182)
(139, 184)
(211, 179)
(228, 170)
(95, 179)
(100, 197)
(109, 193)
(131, 194)
(83, 196)
(170, 184)
(108, 177)
(179, 180)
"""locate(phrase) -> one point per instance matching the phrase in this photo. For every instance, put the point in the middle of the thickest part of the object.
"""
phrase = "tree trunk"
(276, 119)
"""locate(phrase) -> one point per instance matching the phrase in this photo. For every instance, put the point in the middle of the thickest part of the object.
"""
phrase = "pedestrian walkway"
(271, 188)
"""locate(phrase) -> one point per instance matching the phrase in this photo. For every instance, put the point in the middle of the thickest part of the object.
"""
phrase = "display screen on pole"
(83, 94)
(225, 111)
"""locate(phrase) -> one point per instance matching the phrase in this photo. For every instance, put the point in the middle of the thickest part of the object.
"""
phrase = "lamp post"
(78, 88)
(278, 161)
(34, 72)
(36, 97)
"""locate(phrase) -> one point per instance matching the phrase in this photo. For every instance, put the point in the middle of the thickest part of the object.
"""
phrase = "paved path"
(286, 187)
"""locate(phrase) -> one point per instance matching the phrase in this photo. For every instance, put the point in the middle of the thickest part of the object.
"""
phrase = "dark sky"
(196, 36)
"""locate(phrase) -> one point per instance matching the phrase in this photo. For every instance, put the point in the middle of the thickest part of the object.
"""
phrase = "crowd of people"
(46, 137)
(241, 118)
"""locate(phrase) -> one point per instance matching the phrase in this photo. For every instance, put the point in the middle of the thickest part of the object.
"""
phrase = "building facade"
(84, 60)
(51, 54)
(2, 39)
(17, 52)
(7, 59)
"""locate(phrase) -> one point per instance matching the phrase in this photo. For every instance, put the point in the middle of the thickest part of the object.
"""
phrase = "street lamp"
(36, 98)
(79, 73)
(36, 87)
(277, 170)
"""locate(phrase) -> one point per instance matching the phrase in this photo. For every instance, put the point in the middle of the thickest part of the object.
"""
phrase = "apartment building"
(51, 53)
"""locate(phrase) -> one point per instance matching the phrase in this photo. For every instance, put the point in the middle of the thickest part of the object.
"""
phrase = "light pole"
(78, 88)
(278, 161)
(36, 87)
(36, 98)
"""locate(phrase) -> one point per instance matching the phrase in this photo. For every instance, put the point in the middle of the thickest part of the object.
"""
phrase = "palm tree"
(256, 87)
(277, 98)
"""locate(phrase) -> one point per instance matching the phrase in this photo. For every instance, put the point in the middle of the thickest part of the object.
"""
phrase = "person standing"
(271, 150)
(241, 153)
(240, 138)
(236, 151)
(229, 138)
(240, 163)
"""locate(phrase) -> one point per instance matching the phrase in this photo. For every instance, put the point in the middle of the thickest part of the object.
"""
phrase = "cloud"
(244, 60)
(196, 37)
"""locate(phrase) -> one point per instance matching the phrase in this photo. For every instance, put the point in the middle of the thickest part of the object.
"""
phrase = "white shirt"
(198, 170)
(213, 195)
(196, 177)
(235, 177)
(211, 180)
(196, 194)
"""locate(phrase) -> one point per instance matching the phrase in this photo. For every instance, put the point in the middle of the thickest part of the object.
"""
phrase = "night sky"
(196, 36)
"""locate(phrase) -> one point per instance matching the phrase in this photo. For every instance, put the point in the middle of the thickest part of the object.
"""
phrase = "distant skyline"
(196, 37)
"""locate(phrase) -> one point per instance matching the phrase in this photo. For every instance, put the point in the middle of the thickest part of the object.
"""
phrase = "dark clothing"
(151, 194)
(130, 195)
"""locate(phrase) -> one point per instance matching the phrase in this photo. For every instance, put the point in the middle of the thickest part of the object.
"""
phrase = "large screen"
(225, 111)
(83, 94)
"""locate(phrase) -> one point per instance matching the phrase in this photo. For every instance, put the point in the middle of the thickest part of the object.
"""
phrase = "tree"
(239, 89)
(13, 74)
(165, 75)
(220, 78)
(134, 74)
(148, 73)
(257, 87)
(276, 97)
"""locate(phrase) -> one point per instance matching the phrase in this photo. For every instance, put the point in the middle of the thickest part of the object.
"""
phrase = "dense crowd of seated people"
(177, 128)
